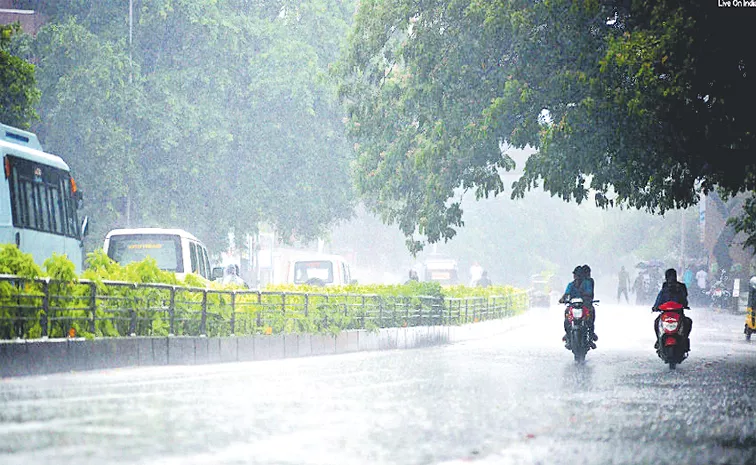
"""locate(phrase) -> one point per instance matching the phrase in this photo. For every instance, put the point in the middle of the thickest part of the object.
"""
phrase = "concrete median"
(35, 357)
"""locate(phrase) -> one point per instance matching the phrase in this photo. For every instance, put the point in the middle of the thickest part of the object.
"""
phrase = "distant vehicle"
(173, 249)
(441, 270)
(38, 200)
(539, 291)
(319, 270)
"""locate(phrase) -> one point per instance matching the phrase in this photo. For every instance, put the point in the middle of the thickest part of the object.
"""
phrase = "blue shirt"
(582, 289)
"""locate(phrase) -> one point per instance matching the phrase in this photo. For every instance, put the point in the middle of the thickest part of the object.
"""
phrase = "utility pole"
(131, 35)
(131, 72)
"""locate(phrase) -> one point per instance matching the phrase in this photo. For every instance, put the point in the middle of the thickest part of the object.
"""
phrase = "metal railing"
(44, 307)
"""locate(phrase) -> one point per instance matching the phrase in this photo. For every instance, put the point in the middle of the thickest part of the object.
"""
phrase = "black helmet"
(578, 270)
(670, 275)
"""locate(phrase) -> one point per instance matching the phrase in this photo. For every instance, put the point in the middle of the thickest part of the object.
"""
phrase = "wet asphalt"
(516, 398)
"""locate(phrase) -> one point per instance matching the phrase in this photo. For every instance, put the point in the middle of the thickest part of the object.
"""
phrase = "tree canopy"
(217, 117)
(639, 104)
(18, 88)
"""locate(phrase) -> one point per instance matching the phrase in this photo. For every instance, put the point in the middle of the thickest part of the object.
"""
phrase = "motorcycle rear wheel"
(673, 356)
(578, 349)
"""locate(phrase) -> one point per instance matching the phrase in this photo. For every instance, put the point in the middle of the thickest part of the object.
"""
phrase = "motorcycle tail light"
(670, 326)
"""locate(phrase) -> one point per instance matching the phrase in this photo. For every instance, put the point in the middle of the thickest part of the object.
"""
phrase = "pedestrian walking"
(622, 284)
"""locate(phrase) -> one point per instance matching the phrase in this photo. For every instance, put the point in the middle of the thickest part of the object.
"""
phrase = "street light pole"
(131, 34)
(131, 72)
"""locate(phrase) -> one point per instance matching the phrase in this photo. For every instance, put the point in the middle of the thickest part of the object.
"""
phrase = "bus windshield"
(306, 270)
(164, 248)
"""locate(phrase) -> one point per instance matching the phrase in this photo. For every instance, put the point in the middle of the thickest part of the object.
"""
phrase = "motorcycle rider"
(578, 287)
(673, 291)
(590, 287)
(232, 276)
(750, 325)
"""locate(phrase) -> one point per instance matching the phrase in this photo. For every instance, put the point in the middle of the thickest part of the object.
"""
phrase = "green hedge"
(109, 300)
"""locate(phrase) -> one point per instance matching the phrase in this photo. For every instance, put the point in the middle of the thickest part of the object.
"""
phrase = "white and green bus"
(38, 200)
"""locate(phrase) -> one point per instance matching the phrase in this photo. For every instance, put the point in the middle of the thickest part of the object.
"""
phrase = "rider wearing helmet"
(590, 287)
(574, 287)
(580, 286)
(750, 325)
(672, 291)
(232, 276)
(590, 284)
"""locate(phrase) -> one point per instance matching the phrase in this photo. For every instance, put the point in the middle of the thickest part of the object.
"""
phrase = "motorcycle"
(673, 344)
(719, 296)
(750, 321)
(579, 334)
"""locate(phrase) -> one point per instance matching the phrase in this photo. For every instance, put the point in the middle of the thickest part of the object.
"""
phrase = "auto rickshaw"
(750, 323)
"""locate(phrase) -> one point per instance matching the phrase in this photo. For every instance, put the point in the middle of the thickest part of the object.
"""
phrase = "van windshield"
(315, 269)
(164, 248)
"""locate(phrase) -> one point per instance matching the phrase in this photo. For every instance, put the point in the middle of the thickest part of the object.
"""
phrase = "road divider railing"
(39, 308)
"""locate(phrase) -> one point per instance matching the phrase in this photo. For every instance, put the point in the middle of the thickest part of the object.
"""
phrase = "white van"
(319, 270)
(173, 249)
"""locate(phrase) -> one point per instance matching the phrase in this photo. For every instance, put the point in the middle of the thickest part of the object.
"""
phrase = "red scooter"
(673, 344)
(579, 334)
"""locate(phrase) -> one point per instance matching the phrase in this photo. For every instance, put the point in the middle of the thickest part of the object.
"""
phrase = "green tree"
(643, 104)
(224, 118)
(92, 114)
(19, 92)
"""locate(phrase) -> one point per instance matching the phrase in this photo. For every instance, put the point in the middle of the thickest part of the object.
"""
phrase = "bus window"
(206, 260)
(201, 260)
(41, 198)
(193, 257)
(56, 206)
(347, 274)
(70, 222)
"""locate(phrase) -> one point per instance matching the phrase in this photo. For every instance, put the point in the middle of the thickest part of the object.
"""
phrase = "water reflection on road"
(517, 398)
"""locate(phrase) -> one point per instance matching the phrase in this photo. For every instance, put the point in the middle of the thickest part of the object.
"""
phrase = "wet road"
(515, 399)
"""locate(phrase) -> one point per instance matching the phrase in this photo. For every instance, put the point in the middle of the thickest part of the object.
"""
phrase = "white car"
(319, 270)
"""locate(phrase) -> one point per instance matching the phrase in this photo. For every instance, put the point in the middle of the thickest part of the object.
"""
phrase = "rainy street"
(518, 398)
(239, 181)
